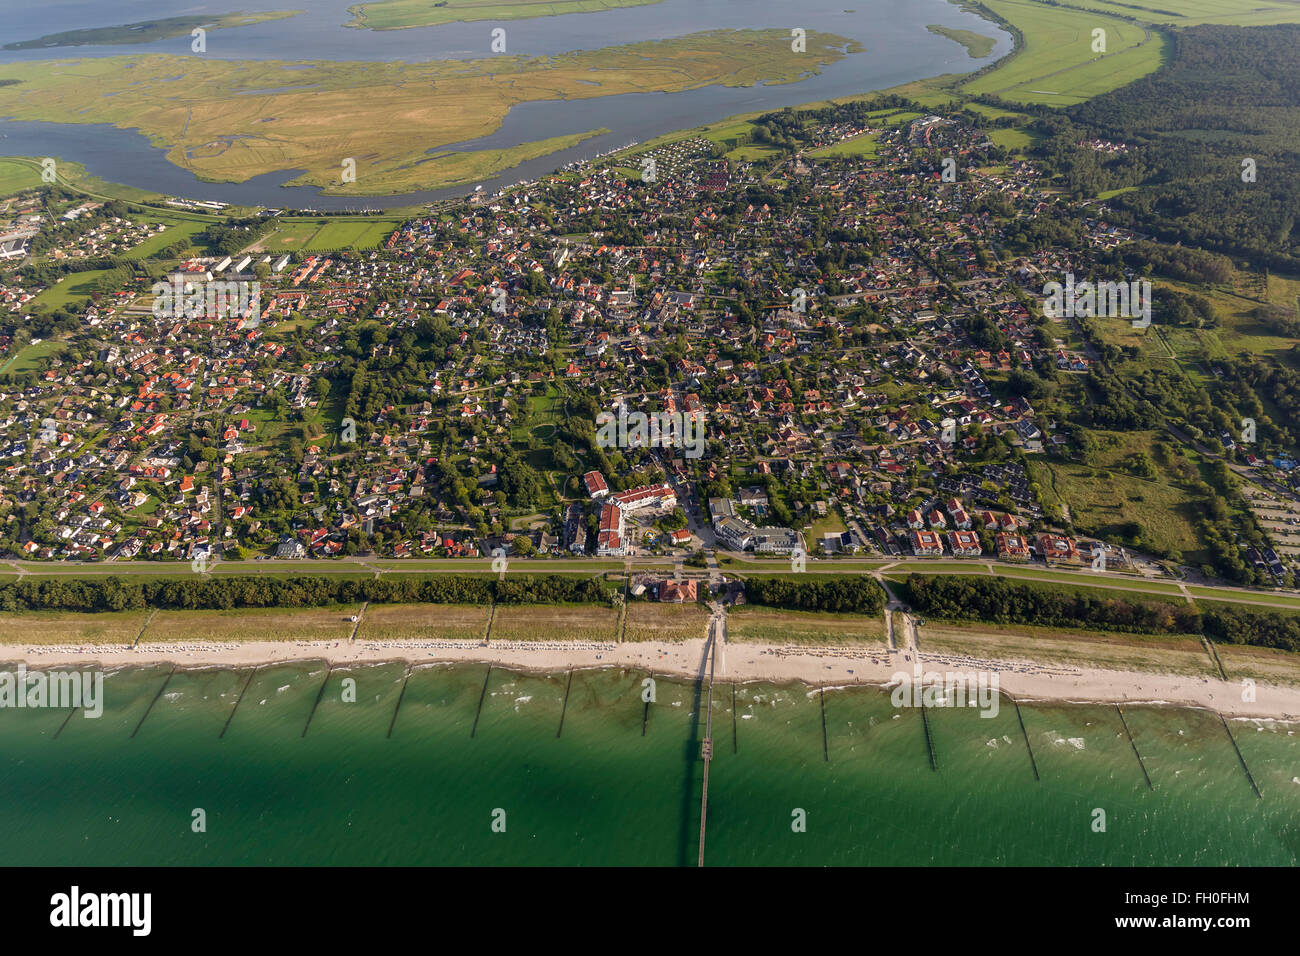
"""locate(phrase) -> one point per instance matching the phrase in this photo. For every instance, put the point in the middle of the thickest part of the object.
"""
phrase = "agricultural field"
(774, 626)
(1157, 654)
(17, 175)
(1192, 12)
(647, 621)
(65, 627)
(443, 622)
(253, 624)
(1057, 65)
(562, 622)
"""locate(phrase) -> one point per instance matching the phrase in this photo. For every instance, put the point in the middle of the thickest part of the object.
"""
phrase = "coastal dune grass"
(769, 626)
(401, 622)
(252, 624)
(65, 627)
(647, 621)
(1157, 654)
(563, 622)
(1264, 664)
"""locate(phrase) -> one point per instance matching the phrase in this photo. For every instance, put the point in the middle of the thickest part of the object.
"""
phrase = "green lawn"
(76, 287)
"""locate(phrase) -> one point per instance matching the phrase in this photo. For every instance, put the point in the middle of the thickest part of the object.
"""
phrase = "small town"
(864, 350)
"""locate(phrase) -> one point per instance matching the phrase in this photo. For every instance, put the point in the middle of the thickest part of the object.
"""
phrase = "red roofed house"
(679, 592)
(610, 539)
(595, 482)
(1012, 547)
(926, 543)
(965, 544)
(1056, 547)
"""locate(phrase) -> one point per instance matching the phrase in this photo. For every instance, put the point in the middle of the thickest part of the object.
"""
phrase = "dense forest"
(1213, 144)
(1258, 628)
(1005, 602)
(849, 594)
(118, 594)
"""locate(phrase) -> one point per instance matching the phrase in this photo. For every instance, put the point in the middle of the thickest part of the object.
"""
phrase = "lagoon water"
(598, 791)
(897, 49)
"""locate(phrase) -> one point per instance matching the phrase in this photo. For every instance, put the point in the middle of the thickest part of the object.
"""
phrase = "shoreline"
(813, 666)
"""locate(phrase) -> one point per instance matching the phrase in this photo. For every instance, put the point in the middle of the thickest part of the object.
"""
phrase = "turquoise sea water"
(600, 792)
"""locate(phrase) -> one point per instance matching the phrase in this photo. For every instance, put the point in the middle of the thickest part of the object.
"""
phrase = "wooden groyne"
(1024, 733)
(1233, 741)
(400, 694)
(826, 747)
(929, 740)
(482, 694)
(565, 708)
(319, 694)
(65, 722)
(242, 692)
(1146, 776)
(149, 709)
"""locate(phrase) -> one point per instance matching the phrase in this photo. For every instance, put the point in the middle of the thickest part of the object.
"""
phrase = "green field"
(176, 229)
(17, 175)
(1191, 12)
(860, 146)
(326, 235)
(31, 358)
(344, 234)
(75, 287)
(1057, 65)
(1103, 496)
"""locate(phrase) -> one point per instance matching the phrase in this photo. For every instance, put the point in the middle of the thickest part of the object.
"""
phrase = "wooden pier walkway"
(707, 749)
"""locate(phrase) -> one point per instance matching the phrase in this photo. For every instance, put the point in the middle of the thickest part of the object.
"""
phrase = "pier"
(707, 750)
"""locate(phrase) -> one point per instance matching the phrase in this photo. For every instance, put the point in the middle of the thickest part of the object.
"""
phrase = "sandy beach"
(838, 666)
